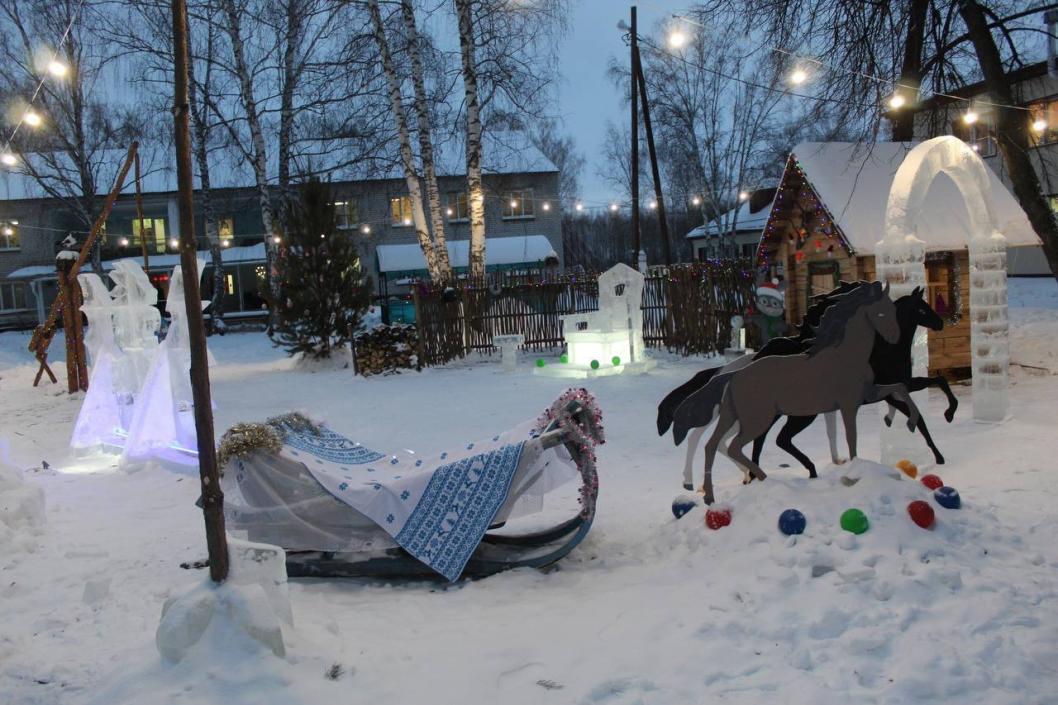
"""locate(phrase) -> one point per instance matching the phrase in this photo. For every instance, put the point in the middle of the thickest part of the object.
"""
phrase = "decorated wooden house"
(828, 218)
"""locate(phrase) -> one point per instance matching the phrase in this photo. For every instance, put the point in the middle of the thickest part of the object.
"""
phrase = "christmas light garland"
(578, 415)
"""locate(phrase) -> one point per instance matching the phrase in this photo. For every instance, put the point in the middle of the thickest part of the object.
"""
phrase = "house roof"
(747, 220)
(853, 181)
(230, 255)
(502, 153)
(499, 250)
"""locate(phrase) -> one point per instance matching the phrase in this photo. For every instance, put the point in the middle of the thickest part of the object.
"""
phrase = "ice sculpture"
(163, 417)
(99, 421)
(900, 261)
(608, 341)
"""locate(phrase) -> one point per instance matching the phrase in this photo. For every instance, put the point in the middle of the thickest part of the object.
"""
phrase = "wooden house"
(828, 217)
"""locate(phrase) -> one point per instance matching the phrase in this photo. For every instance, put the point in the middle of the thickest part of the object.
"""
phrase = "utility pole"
(212, 497)
(663, 227)
(633, 62)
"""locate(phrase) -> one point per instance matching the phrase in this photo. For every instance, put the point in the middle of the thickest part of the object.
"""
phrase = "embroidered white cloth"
(436, 508)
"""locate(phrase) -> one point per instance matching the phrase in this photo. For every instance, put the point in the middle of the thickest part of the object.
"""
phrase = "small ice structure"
(508, 345)
(901, 254)
(608, 341)
(163, 417)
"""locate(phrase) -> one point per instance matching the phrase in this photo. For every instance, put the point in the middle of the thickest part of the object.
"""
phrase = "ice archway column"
(900, 260)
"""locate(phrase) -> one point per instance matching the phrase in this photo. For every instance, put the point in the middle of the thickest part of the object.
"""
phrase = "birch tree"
(475, 190)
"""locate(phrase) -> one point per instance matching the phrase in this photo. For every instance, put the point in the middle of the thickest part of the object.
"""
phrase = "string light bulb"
(798, 77)
(366, 229)
(9, 159)
(57, 68)
(677, 38)
(743, 196)
(448, 212)
(225, 243)
(695, 201)
(32, 119)
(969, 117)
(653, 205)
(174, 243)
(579, 207)
(124, 242)
(8, 230)
(514, 203)
(1039, 125)
(546, 206)
(897, 101)
(276, 239)
(614, 207)
(407, 221)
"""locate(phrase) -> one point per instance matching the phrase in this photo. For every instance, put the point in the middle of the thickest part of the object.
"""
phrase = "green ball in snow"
(854, 520)
(563, 358)
(540, 362)
(616, 361)
(595, 364)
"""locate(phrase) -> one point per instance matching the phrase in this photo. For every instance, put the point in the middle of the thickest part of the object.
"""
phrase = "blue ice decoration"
(947, 497)
(792, 522)
(682, 504)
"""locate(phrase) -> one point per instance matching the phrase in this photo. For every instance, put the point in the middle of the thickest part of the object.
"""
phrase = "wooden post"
(663, 226)
(633, 60)
(212, 497)
(139, 216)
(419, 329)
(69, 323)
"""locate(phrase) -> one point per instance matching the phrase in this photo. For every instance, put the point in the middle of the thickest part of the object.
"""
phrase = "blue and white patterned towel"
(437, 509)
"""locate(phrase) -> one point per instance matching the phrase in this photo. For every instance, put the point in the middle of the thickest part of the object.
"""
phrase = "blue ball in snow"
(792, 522)
(682, 504)
(947, 497)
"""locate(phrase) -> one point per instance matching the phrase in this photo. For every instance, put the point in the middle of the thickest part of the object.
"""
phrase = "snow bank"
(21, 512)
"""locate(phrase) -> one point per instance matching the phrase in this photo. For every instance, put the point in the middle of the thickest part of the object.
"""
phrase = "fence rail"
(686, 309)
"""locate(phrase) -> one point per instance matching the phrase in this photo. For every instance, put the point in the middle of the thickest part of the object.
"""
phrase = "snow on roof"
(230, 255)
(853, 181)
(500, 250)
(503, 153)
(747, 221)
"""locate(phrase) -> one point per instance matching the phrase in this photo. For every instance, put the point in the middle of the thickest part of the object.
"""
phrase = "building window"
(9, 239)
(226, 228)
(942, 285)
(518, 204)
(458, 208)
(229, 284)
(153, 233)
(981, 135)
(823, 277)
(346, 214)
(1047, 115)
(400, 211)
(749, 249)
(12, 296)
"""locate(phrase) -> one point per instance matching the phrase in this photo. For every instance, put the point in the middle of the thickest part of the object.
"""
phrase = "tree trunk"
(209, 477)
(293, 30)
(422, 111)
(475, 190)
(903, 119)
(407, 158)
(1012, 133)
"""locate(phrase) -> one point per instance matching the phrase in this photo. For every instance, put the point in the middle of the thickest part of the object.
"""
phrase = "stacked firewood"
(386, 350)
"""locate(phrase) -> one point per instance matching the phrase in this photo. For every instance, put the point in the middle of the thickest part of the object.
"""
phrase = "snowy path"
(647, 610)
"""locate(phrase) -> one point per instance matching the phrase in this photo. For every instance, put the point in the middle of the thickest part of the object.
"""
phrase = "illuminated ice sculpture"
(100, 420)
(608, 341)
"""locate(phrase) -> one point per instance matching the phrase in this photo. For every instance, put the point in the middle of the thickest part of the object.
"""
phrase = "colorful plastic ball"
(595, 364)
(932, 481)
(615, 360)
(947, 497)
(682, 504)
(540, 362)
(563, 358)
(908, 468)
(921, 513)
(792, 522)
(854, 520)
(718, 518)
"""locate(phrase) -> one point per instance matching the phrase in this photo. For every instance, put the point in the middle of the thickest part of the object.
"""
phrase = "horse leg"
(916, 384)
(758, 447)
(734, 451)
(848, 418)
(692, 445)
(877, 392)
(889, 414)
(794, 425)
(722, 426)
(830, 417)
(921, 426)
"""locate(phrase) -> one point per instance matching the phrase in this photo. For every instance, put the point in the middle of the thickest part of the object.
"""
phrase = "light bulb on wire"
(653, 205)
(57, 68)
(614, 207)
(677, 38)
(546, 206)
(579, 207)
(9, 159)
(1039, 125)
(32, 119)
(366, 229)
(696, 201)
(798, 77)
(969, 117)
(743, 196)
(897, 101)
(174, 243)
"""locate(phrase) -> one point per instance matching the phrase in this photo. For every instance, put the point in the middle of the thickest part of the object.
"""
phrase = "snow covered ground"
(647, 610)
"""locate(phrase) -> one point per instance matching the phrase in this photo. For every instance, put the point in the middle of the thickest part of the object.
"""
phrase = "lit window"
(981, 135)
(1044, 115)
(346, 214)
(226, 228)
(9, 239)
(458, 207)
(400, 210)
(942, 282)
(153, 232)
(229, 284)
(518, 204)
(12, 296)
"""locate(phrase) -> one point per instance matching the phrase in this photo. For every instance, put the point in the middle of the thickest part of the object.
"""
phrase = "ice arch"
(900, 258)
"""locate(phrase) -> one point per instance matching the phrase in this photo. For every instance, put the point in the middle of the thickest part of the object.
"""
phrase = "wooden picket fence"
(686, 309)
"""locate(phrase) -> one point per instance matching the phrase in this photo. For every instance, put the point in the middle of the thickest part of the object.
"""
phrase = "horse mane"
(831, 330)
(820, 303)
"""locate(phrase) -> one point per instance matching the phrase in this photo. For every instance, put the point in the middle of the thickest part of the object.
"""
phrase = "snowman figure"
(769, 318)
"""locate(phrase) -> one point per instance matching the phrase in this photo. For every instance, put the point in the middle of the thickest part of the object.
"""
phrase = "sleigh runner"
(340, 509)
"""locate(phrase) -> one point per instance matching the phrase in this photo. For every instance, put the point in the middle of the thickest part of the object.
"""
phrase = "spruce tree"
(324, 291)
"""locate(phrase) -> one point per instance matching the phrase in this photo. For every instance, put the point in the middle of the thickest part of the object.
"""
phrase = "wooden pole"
(663, 226)
(139, 216)
(633, 60)
(212, 496)
(69, 313)
(43, 334)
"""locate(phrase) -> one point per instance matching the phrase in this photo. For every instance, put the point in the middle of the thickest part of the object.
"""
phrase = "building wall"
(743, 244)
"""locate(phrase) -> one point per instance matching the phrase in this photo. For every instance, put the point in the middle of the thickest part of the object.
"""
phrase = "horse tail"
(698, 409)
(668, 405)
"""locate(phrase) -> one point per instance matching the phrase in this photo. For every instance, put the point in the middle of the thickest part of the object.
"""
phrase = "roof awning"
(521, 249)
(231, 255)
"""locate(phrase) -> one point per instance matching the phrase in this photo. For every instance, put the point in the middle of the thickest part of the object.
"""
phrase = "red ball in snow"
(718, 518)
(921, 513)
(932, 481)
